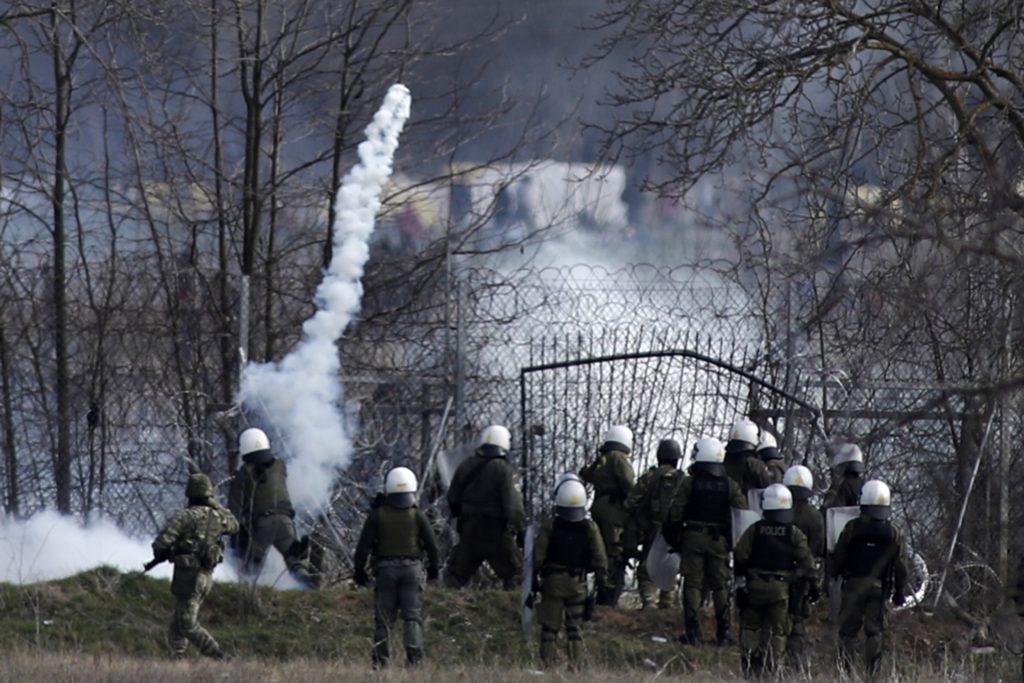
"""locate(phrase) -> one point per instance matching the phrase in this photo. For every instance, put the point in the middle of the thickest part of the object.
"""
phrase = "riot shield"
(836, 520)
(449, 461)
(526, 614)
(662, 564)
(754, 500)
(741, 521)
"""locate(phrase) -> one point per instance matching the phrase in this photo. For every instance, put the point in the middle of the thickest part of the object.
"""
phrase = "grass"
(102, 625)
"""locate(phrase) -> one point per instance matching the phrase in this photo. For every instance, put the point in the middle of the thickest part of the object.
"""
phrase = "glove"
(813, 593)
(530, 599)
(899, 599)
(433, 573)
(360, 577)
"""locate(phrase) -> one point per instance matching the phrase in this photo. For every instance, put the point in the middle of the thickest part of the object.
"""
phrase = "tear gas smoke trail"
(299, 397)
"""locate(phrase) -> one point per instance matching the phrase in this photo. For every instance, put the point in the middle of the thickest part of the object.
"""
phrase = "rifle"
(152, 563)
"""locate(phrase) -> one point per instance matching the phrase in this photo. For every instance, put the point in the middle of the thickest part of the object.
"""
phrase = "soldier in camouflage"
(612, 477)
(698, 526)
(808, 519)
(741, 462)
(396, 535)
(485, 499)
(773, 558)
(768, 452)
(567, 548)
(869, 557)
(646, 508)
(259, 498)
(192, 539)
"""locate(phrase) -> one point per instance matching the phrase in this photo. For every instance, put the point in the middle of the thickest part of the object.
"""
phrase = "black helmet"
(669, 451)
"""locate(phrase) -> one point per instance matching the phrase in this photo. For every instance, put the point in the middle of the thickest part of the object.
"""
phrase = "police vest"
(871, 550)
(398, 534)
(664, 491)
(569, 545)
(773, 549)
(709, 500)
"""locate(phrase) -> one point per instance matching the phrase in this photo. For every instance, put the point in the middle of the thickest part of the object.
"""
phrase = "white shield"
(526, 615)
(662, 564)
(741, 521)
(449, 461)
(836, 520)
(754, 500)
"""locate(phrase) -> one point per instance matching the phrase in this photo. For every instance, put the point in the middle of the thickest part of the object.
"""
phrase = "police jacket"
(258, 490)
(771, 549)
(396, 533)
(487, 487)
(573, 548)
(871, 549)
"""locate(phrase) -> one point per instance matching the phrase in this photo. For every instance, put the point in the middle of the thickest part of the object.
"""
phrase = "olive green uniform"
(869, 557)
(776, 469)
(259, 497)
(774, 558)
(192, 540)
(646, 507)
(564, 552)
(844, 491)
(612, 477)
(747, 470)
(397, 538)
(484, 497)
(698, 523)
(808, 520)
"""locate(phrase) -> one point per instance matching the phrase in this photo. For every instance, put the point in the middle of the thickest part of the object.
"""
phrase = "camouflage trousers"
(863, 606)
(561, 596)
(484, 539)
(185, 621)
(398, 589)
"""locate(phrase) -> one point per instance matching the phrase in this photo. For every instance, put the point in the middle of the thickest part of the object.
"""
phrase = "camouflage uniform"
(774, 558)
(397, 538)
(646, 508)
(612, 477)
(808, 520)
(192, 540)
(747, 470)
(484, 497)
(259, 497)
(564, 552)
(869, 558)
(698, 524)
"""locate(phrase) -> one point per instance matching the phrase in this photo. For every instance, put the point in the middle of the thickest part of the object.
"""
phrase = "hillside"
(103, 625)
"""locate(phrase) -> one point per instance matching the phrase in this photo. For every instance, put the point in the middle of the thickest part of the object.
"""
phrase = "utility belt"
(398, 561)
(578, 574)
(781, 577)
(713, 530)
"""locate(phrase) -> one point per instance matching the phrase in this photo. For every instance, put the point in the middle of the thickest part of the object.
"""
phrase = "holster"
(797, 595)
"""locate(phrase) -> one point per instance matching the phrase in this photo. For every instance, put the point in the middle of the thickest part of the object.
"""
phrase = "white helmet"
(876, 499)
(568, 476)
(777, 504)
(618, 438)
(254, 446)
(848, 456)
(495, 441)
(400, 487)
(768, 447)
(709, 456)
(800, 482)
(742, 436)
(571, 501)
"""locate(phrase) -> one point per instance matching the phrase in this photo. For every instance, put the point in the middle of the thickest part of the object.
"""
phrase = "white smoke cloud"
(300, 396)
(52, 546)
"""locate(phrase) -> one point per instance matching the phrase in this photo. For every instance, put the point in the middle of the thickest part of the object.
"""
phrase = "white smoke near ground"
(49, 546)
(299, 397)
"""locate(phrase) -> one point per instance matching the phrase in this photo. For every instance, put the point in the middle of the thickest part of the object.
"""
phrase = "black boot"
(692, 635)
